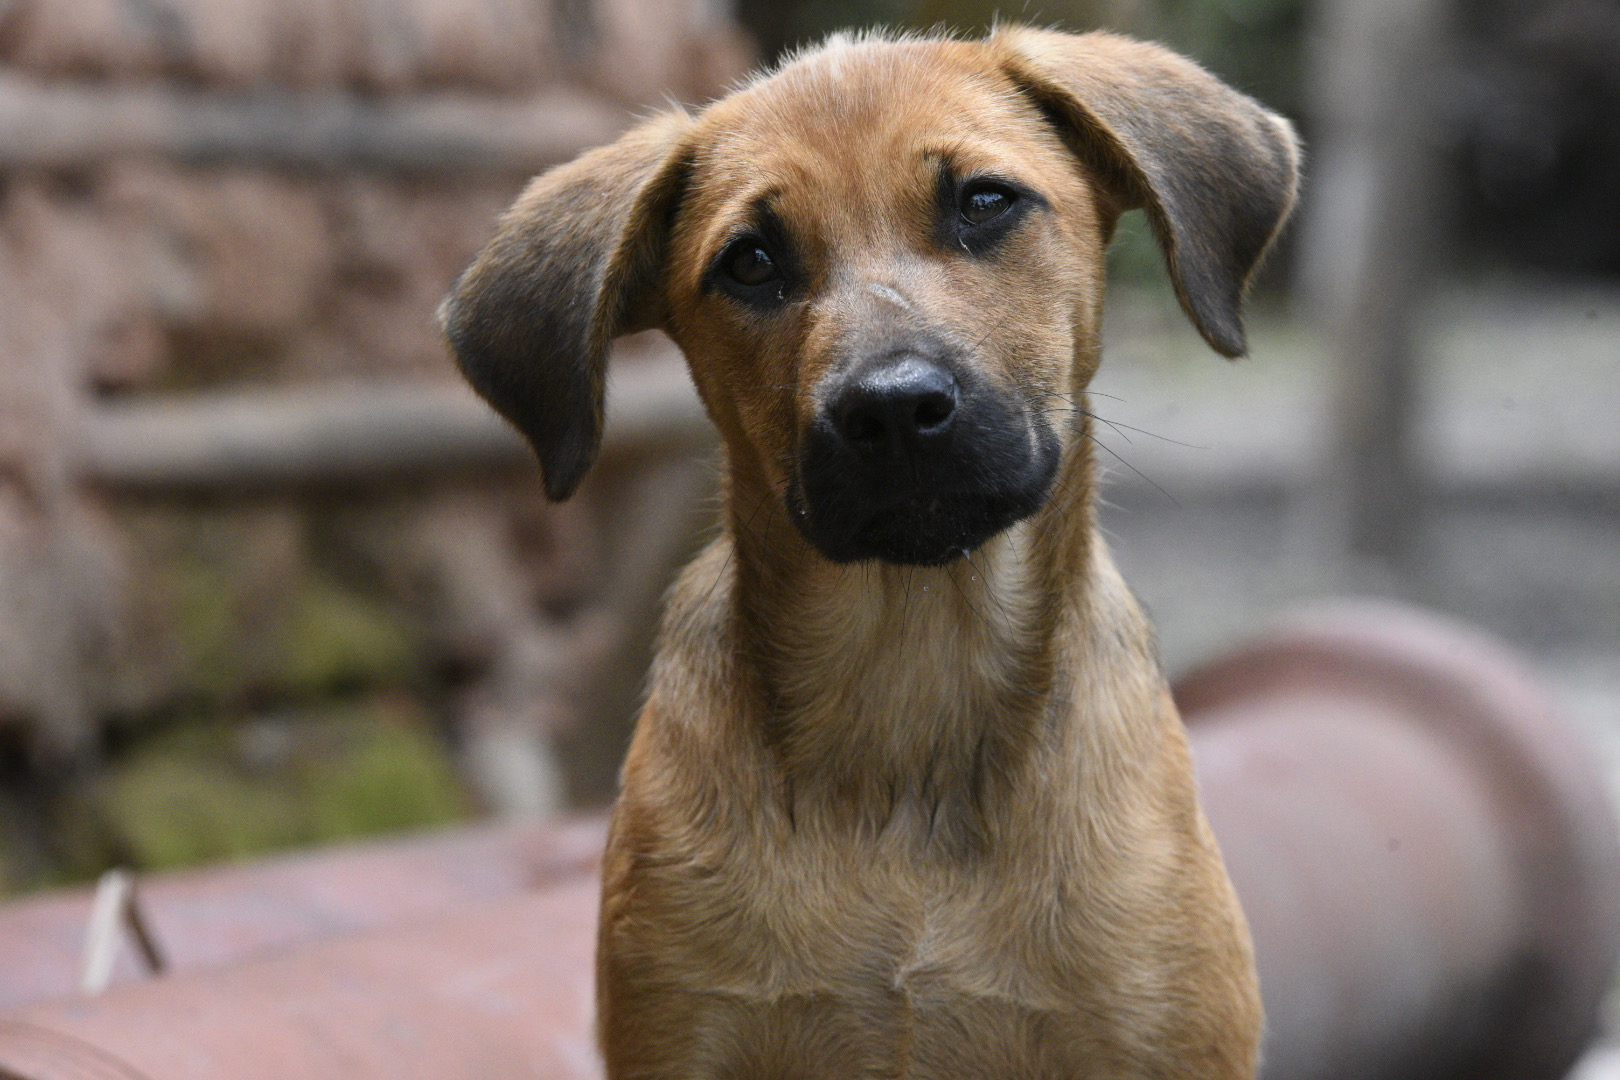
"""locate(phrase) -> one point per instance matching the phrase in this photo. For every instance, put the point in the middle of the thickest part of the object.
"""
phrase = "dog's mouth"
(919, 531)
(922, 510)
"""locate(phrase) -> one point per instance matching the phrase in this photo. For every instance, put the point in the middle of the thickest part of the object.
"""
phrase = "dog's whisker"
(906, 574)
(983, 620)
(1110, 423)
(1067, 489)
(1070, 397)
(989, 588)
(1116, 425)
(1134, 469)
(1121, 428)
(731, 553)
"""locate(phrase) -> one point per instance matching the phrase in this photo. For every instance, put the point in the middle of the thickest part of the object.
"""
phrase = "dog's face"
(884, 264)
(885, 260)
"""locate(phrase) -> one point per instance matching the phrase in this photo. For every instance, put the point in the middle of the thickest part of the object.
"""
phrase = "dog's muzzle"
(913, 461)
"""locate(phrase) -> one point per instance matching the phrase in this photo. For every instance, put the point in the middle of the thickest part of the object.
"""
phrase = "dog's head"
(884, 264)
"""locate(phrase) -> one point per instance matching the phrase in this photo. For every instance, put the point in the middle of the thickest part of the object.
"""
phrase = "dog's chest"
(871, 962)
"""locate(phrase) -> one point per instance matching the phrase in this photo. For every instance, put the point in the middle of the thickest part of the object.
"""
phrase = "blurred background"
(270, 577)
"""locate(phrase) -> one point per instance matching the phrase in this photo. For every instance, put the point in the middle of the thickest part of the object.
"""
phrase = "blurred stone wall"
(211, 635)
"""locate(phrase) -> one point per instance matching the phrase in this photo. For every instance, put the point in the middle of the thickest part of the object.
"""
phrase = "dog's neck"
(885, 687)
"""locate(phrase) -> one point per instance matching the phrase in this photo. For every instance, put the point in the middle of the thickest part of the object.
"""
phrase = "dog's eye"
(983, 202)
(747, 263)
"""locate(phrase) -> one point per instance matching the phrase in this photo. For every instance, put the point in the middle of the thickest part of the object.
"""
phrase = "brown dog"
(909, 797)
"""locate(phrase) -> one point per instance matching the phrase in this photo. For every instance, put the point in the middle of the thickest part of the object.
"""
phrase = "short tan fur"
(883, 820)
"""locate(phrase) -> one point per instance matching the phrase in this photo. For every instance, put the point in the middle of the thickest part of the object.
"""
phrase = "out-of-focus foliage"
(1134, 256)
(1254, 44)
(8, 869)
(250, 620)
(207, 790)
(280, 706)
(1539, 145)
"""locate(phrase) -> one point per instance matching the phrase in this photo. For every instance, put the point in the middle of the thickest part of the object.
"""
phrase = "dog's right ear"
(574, 263)
(1215, 170)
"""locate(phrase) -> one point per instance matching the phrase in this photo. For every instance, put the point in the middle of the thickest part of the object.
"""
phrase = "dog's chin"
(910, 534)
(918, 530)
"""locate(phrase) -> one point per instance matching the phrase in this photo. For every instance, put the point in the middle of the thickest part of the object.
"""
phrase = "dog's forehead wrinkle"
(889, 293)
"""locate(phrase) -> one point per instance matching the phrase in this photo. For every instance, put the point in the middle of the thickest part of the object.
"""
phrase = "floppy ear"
(574, 263)
(1214, 169)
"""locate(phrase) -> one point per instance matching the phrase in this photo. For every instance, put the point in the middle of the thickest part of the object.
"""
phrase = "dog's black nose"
(907, 403)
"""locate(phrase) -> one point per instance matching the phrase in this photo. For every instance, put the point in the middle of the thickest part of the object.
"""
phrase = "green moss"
(208, 791)
(335, 637)
(282, 719)
(163, 812)
(1134, 257)
(393, 777)
(204, 609)
(301, 639)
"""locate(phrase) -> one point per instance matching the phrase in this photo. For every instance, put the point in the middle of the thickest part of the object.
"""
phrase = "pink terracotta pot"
(224, 915)
(498, 990)
(1426, 854)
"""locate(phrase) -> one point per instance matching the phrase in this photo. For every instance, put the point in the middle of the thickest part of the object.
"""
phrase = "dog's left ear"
(1215, 170)
(574, 263)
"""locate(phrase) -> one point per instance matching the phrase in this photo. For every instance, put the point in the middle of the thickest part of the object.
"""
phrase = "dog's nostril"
(864, 426)
(896, 404)
(933, 410)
